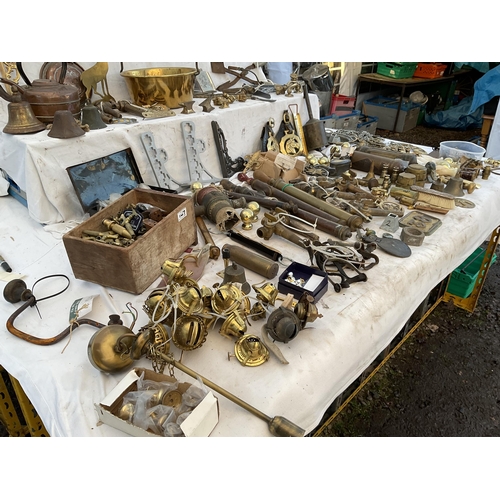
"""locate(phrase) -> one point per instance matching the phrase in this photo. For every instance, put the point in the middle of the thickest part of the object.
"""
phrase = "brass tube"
(252, 261)
(279, 426)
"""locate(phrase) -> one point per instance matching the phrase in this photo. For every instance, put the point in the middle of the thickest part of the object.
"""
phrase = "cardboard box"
(133, 268)
(200, 423)
(280, 166)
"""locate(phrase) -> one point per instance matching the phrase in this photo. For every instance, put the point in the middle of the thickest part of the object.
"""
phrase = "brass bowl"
(166, 86)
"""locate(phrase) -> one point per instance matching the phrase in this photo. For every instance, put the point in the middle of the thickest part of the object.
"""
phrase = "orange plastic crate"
(429, 70)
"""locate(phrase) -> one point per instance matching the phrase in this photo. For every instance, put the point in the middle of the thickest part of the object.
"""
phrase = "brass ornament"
(255, 208)
(291, 144)
(250, 351)
(246, 216)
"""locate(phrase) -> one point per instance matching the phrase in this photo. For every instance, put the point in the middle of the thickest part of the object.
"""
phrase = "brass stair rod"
(280, 195)
(315, 202)
(353, 221)
(278, 426)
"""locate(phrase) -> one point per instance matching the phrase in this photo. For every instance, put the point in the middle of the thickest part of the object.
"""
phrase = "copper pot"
(48, 96)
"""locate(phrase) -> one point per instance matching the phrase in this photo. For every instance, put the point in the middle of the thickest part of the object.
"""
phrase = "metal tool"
(214, 249)
(193, 147)
(16, 290)
(228, 166)
(157, 158)
(390, 245)
(278, 426)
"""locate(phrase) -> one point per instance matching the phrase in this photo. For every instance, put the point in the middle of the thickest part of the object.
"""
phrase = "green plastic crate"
(397, 69)
(464, 277)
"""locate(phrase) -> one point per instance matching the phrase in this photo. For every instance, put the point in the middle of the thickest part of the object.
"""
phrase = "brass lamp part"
(266, 293)
(226, 299)
(306, 310)
(189, 333)
(250, 351)
(175, 271)
(233, 326)
(108, 349)
(157, 305)
(257, 311)
(189, 299)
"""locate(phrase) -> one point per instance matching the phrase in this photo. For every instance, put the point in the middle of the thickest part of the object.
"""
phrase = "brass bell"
(455, 186)
(65, 126)
(92, 117)
(22, 120)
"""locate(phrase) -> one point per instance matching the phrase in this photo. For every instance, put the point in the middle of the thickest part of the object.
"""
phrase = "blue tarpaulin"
(487, 87)
(457, 117)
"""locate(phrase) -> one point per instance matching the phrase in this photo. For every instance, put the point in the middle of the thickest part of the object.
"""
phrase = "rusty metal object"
(216, 207)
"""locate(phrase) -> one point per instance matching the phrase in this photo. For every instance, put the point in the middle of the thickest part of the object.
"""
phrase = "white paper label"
(182, 214)
(81, 307)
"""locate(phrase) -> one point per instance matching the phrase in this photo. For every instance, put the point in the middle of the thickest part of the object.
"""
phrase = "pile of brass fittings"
(188, 311)
(123, 229)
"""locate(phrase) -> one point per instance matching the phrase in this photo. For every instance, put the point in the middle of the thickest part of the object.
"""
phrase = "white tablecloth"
(324, 359)
(37, 163)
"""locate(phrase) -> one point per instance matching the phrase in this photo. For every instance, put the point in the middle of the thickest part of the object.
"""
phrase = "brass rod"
(279, 426)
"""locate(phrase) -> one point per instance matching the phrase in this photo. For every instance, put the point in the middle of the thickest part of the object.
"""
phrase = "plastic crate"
(464, 277)
(385, 109)
(397, 69)
(342, 105)
(429, 70)
(349, 121)
(367, 124)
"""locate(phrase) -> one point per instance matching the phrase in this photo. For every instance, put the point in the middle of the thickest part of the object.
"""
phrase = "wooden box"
(133, 268)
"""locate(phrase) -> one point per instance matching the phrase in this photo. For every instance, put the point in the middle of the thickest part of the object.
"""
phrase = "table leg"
(403, 87)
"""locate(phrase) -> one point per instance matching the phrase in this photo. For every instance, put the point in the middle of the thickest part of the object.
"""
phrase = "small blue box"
(308, 275)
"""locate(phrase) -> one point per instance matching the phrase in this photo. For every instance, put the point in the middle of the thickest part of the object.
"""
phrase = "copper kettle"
(48, 96)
